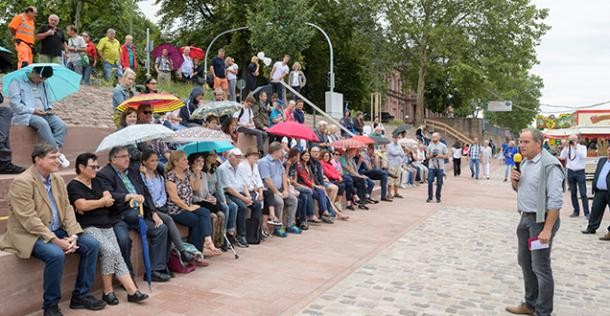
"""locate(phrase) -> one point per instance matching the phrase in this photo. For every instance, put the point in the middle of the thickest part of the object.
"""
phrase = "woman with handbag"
(91, 205)
(180, 184)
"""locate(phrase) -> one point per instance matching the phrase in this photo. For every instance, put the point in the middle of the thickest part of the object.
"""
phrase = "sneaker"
(63, 161)
(274, 222)
(9, 168)
(52, 310)
(241, 242)
(293, 230)
(86, 302)
(280, 232)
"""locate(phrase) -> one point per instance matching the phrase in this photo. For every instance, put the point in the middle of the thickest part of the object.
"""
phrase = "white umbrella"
(134, 134)
(198, 134)
(409, 142)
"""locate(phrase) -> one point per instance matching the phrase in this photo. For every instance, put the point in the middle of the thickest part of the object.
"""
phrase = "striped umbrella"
(160, 102)
(364, 139)
(347, 143)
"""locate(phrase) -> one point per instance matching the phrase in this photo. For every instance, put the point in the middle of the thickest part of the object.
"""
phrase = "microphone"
(517, 158)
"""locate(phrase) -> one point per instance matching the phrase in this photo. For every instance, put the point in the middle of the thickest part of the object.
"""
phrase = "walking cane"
(231, 246)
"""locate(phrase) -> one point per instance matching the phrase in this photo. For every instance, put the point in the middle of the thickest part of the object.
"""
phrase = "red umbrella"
(294, 130)
(347, 144)
(196, 52)
(364, 139)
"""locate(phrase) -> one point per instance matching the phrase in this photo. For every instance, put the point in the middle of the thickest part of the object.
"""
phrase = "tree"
(468, 39)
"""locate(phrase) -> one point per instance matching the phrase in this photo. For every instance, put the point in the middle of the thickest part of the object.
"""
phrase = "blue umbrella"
(200, 147)
(145, 251)
(63, 83)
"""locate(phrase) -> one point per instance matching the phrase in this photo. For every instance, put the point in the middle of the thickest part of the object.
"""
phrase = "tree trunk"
(421, 85)
(77, 14)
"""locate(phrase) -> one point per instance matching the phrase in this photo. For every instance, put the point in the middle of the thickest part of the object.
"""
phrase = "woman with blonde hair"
(296, 78)
(180, 184)
(123, 91)
(251, 74)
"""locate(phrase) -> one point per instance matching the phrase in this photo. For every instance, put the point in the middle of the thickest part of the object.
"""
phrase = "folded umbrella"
(142, 229)
(134, 134)
(202, 147)
(160, 102)
(401, 129)
(347, 143)
(198, 134)
(5, 58)
(174, 54)
(380, 140)
(61, 84)
(294, 130)
(364, 139)
(195, 53)
(218, 108)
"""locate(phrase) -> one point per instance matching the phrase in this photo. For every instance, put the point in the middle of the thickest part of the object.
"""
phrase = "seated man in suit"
(42, 224)
(601, 198)
(126, 185)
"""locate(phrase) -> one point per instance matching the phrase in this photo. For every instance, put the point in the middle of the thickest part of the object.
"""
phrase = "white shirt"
(230, 75)
(280, 70)
(575, 158)
(296, 82)
(248, 176)
(485, 154)
(187, 65)
(457, 153)
(77, 42)
(246, 117)
(294, 142)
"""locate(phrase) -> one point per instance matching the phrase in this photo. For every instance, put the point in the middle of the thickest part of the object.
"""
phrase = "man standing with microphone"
(538, 181)
(575, 155)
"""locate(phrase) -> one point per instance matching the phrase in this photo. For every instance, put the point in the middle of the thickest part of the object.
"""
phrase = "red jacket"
(304, 175)
(330, 172)
(125, 57)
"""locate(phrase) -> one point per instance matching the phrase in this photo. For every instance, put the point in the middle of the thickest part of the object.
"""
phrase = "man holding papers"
(539, 182)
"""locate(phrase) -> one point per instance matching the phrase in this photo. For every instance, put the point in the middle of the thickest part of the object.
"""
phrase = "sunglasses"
(94, 167)
(147, 112)
(153, 82)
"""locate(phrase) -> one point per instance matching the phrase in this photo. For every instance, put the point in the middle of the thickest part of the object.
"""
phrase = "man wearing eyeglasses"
(31, 104)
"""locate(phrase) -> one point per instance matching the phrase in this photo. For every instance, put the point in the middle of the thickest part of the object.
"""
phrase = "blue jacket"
(22, 99)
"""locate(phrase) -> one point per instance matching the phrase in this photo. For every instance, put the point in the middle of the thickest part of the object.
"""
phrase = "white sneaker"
(63, 161)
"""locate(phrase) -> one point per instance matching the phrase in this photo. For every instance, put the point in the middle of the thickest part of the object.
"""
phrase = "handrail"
(316, 108)
(449, 129)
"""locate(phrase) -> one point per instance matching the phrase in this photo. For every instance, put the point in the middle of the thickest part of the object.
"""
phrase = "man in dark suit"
(601, 197)
(126, 185)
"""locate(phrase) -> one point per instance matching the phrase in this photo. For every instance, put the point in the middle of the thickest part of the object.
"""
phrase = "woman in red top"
(92, 59)
(333, 175)
(305, 178)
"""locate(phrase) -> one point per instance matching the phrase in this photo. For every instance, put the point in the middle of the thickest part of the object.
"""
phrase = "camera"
(434, 152)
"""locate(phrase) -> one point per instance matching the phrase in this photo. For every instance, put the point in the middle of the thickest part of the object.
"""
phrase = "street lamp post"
(330, 46)
(205, 58)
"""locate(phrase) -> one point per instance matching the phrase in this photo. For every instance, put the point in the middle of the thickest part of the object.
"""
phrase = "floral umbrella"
(347, 144)
(134, 134)
(218, 108)
(198, 134)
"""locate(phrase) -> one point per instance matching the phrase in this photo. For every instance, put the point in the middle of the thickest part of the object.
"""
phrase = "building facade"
(399, 102)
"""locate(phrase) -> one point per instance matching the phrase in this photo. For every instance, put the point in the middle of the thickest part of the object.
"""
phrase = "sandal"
(200, 261)
(213, 252)
(343, 217)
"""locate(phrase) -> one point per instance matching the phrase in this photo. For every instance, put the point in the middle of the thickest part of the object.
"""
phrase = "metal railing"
(448, 130)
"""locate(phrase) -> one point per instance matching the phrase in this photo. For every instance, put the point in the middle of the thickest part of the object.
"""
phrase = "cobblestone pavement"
(462, 261)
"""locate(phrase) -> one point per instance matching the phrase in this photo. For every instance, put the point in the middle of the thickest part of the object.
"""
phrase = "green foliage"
(278, 27)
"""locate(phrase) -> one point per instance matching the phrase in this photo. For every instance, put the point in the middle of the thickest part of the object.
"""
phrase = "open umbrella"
(134, 134)
(293, 130)
(198, 134)
(195, 53)
(347, 143)
(174, 54)
(268, 88)
(5, 58)
(380, 140)
(401, 129)
(364, 139)
(160, 102)
(63, 83)
(142, 228)
(201, 147)
(218, 108)
(409, 142)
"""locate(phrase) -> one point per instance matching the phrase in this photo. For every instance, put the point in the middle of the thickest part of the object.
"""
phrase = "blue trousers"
(50, 128)
(199, 224)
(576, 178)
(54, 259)
(377, 174)
(474, 167)
(357, 185)
(438, 174)
(320, 197)
(108, 70)
(230, 209)
(305, 205)
(242, 210)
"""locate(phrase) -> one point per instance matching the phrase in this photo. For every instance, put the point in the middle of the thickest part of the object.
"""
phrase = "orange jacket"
(125, 57)
(24, 28)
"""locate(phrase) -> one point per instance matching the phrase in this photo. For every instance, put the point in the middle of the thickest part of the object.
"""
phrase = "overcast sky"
(574, 55)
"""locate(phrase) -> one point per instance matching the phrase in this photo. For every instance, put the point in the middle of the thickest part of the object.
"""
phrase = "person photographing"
(575, 155)
(538, 180)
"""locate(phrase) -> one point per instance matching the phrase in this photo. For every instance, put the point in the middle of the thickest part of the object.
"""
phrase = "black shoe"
(110, 299)
(52, 310)
(386, 200)
(136, 297)
(241, 242)
(350, 207)
(587, 216)
(438, 200)
(363, 207)
(574, 215)
(428, 200)
(186, 256)
(588, 232)
(86, 302)
(9, 168)
(326, 219)
(370, 200)
(304, 227)
(157, 276)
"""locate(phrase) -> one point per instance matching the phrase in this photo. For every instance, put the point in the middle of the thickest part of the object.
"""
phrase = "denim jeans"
(279, 89)
(6, 115)
(108, 70)
(577, 178)
(199, 224)
(474, 167)
(232, 86)
(75, 66)
(536, 265)
(438, 174)
(50, 128)
(54, 259)
(87, 72)
(320, 196)
(358, 184)
(242, 210)
(305, 205)
(381, 175)
(230, 210)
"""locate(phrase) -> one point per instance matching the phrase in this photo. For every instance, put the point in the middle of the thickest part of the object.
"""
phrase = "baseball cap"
(235, 152)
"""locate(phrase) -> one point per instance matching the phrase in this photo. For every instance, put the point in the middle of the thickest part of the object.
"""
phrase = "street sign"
(500, 106)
